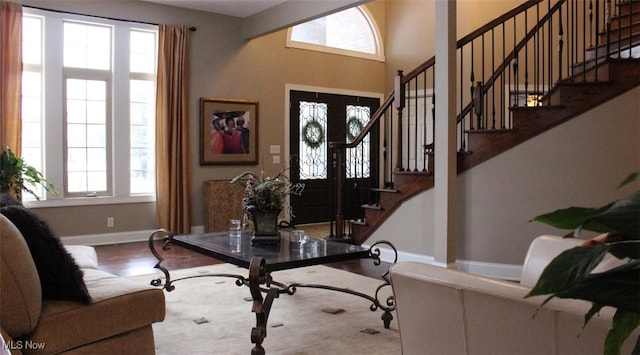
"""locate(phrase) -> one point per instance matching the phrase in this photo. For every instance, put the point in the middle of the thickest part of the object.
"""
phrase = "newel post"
(339, 149)
(399, 101)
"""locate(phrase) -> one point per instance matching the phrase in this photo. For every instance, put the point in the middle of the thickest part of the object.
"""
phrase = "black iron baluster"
(493, 87)
(424, 124)
(415, 133)
(526, 57)
(584, 45)
(560, 43)
(502, 77)
(591, 23)
(537, 50)
(463, 142)
(433, 111)
(483, 125)
(472, 88)
(400, 102)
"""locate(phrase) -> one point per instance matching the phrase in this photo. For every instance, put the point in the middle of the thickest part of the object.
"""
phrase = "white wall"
(579, 163)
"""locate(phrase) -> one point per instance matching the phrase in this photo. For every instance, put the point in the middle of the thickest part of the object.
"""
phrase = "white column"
(444, 249)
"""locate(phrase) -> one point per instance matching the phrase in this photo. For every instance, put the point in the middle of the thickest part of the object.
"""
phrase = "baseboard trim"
(500, 271)
(116, 238)
(107, 238)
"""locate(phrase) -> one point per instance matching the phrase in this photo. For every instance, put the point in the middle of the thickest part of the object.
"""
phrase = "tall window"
(32, 75)
(351, 32)
(90, 85)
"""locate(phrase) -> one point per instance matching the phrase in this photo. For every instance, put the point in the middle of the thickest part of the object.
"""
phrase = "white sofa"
(445, 311)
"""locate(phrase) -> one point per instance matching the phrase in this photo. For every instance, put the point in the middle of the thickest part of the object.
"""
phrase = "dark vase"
(265, 226)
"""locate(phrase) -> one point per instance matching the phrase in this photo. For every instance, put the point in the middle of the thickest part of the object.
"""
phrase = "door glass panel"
(313, 140)
(358, 162)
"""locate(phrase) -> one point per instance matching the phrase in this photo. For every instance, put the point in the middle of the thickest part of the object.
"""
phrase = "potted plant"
(15, 174)
(569, 274)
(264, 198)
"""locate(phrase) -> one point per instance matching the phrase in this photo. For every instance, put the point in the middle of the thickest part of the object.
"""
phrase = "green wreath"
(354, 127)
(313, 134)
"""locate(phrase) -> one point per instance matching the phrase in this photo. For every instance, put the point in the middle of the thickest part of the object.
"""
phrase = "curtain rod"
(192, 29)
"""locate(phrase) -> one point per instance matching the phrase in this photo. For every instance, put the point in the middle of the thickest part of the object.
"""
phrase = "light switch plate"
(274, 149)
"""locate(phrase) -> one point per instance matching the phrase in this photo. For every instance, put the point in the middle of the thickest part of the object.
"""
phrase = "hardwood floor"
(135, 258)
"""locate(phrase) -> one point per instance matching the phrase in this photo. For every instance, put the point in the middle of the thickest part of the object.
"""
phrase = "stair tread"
(497, 130)
(372, 207)
(377, 189)
(412, 172)
(555, 107)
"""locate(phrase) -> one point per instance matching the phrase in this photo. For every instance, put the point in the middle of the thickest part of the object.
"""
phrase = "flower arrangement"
(264, 193)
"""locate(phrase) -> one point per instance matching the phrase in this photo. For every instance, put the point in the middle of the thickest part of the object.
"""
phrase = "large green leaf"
(626, 249)
(623, 216)
(631, 178)
(623, 324)
(568, 268)
(595, 308)
(618, 287)
(574, 217)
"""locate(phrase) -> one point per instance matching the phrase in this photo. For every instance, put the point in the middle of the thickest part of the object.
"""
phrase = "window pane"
(76, 111)
(76, 89)
(31, 138)
(32, 99)
(142, 172)
(96, 90)
(76, 135)
(140, 113)
(77, 159)
(87, 46)
(96, 136)
(97, 160)
(349, 29)
(86, 131)
(313, 140)
(358, 160)
(76, 182)
(142, 136)
(143, 52)
(96, 181)
(31, 40)
(96, 112)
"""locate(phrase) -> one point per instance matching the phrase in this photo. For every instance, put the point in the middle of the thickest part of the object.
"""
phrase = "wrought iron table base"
(258, 276)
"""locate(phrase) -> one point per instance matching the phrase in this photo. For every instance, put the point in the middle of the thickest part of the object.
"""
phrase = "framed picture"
(228, 131)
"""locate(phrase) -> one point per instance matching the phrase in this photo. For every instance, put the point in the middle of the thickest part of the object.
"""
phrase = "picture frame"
(228, 131)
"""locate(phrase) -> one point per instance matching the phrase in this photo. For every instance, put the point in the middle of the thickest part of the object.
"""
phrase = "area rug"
(211, 315)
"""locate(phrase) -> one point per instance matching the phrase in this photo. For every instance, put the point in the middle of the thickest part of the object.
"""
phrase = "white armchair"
(445, 311)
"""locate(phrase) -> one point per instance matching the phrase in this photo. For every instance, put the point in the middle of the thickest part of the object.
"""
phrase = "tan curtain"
(172, 131)
(10, 76)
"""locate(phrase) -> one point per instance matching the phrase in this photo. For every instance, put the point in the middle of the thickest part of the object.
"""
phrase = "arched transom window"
(351, 32)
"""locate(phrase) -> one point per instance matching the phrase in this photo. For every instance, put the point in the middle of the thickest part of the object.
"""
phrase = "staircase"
(536, 86)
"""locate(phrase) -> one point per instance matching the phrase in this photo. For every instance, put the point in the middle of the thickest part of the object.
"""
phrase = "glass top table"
(286, 255)
(262, 260)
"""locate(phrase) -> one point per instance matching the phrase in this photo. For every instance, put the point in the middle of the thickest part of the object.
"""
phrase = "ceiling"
(261, 17)
(237, 8)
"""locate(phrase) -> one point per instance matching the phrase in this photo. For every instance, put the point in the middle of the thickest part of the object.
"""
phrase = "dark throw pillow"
(60, 276)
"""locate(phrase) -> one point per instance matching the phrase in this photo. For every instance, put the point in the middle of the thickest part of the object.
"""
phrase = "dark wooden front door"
(316, 119)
